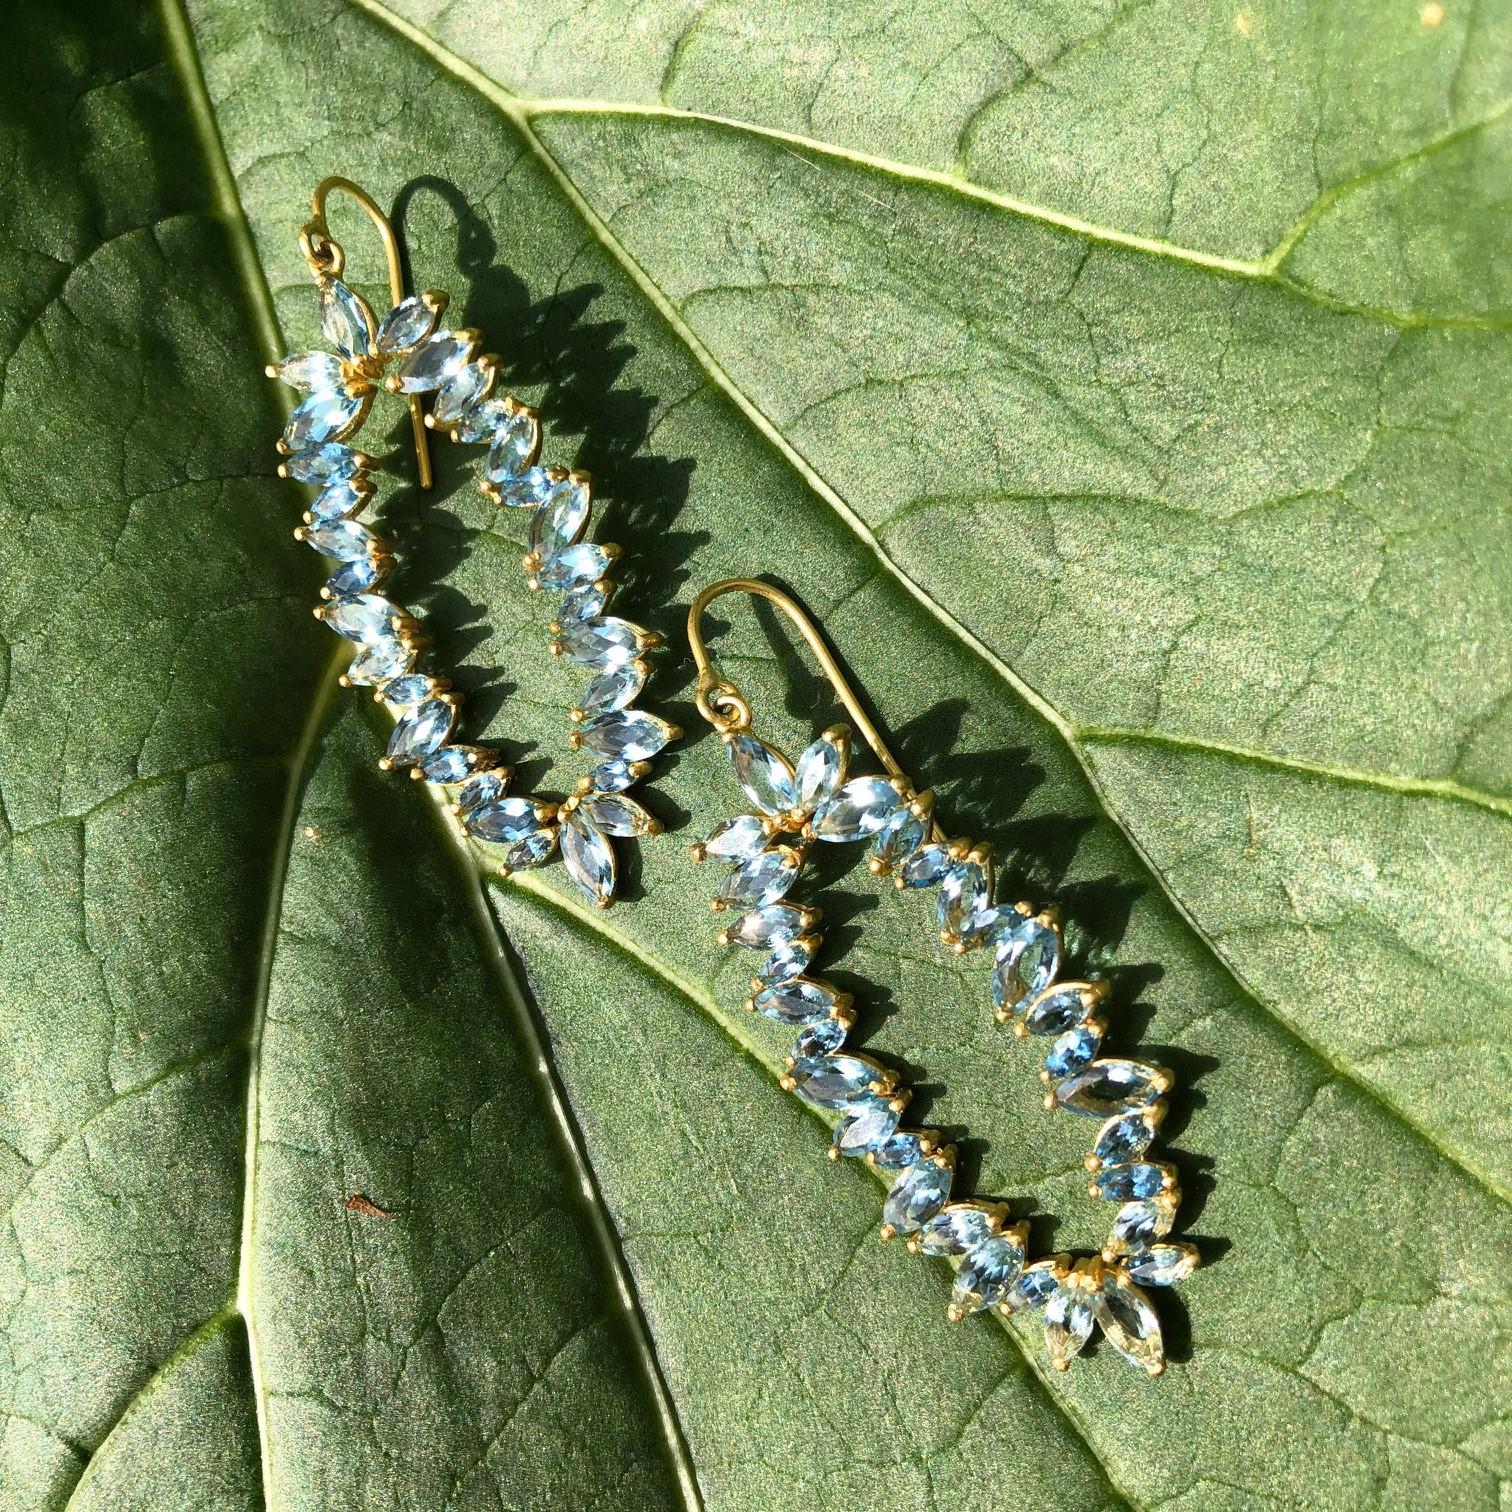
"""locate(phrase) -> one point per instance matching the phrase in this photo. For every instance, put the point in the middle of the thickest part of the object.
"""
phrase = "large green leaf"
(1122, 387)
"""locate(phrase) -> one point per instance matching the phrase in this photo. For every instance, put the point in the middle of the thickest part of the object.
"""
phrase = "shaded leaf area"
(1310, 1194)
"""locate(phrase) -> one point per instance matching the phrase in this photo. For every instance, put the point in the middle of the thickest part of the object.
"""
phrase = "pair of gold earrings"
(791, 804)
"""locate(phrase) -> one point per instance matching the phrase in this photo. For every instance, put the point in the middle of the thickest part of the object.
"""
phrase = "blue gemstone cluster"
(410, 352)
(813, 800)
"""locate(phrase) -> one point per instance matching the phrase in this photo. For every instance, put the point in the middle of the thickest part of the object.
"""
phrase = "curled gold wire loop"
(723, 705)
(327, 259)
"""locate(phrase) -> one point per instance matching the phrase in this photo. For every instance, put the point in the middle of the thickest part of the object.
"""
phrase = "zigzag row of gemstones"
(412, 356)
(811, 800)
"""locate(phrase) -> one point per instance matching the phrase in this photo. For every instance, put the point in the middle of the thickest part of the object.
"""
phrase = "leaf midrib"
(513, 109)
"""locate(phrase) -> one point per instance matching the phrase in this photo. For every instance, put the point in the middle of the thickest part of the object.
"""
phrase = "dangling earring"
(815, 799)
(413, 355)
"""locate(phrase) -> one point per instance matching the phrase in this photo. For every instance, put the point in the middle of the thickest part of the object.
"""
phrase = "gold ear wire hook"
(327, 259)
(721, 702)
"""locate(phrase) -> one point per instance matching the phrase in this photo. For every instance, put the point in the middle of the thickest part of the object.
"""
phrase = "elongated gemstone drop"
(987, 1272)
(527, 491)
(406, 325)
(345, 318)
(954, 1230)
(1068, 1322)
(1161, 1264)
(484, 788)
(615, 814)
(1124, 1138)
(336, 501)
(588, 857)
(363, 617)
(1109, 1087)
(326, 415)
(926, 866)
(736, 839)
(482, 421)
(626, 734)
(430, 364)
(357, 577)
(916, 1196)
(329, 463)
(344, 540)
(798, 1001)
(559, 522)
(615, 689)
(407, 691)
(764, 879)
(763, 774)
(451, 764)
(310, 370)
(612, 776)
(1073, 1050)
(1038, 1283)
(1059, 1008)
(899, 838)
(905, 1148)
(867, 1123)
(514, 449)
(965, 890)
(585, 602)
(380, 661)
(461, 391)
(572, 566)
(860, 808)
(789, 959)
(1141, 1223)
(1137, 1180)
(823, 1038)
(820, 769)
(420, 732)
(601, 643)
(1028, 957)
(763, 928)
(835, 1081)
(1128, 1321)
(501, 821)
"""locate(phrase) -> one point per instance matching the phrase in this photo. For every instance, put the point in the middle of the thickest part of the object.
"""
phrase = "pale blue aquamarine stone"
(336, 501)
(600, 643)
(817, 773)
(358, 577)
(514, 445)
(343, 540)
(954, 1230)
(323, 416)
(614, 814)
(822, 1038)
(616, 689)
(965, 890)
(625, 734)
(432, 363)
(407, 691)
(1124, 1138)
(612, 776)
(482, 789)
(833, 1081)
(462, 390)
(1161, 1264)
(916, 1196)
(1068, 1322)
(764, 879)
(583, 563)
(860, 808)
(925, 867)
(527, 491)
(421, 731)
(989, 925)
(559, 522)
(986, 1273)
(331, 463)
(381, 661)
(1109, 1087)
(345, 318)
(1056, 1010)
(795, 1002)
(406, 325)
(1140, 1223)
(1073, 1050)
(1028, 957)
(762, 928)
(901, 837)
(763, 774)
(1128, 1321)
(363, 617)
(588, 857)
(1038, 1283)
(584, 603)
(501, 821)
(736, 839)
(867, 1123)
(1130, 1183)
(311, 371)
(531, 849)
(451, 764)
(482, 421)
(903, 1149)
(789, 959)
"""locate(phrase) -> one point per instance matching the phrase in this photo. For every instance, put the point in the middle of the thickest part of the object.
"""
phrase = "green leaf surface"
(1124, 389)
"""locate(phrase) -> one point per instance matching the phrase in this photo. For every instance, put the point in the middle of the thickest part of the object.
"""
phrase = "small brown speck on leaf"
(357, 1203)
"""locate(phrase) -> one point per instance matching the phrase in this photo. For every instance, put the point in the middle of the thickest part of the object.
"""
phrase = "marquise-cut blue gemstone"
(600, 643)
(626, 734)
(409, 322)
(965, 890)
(502, 820)
(336, 501)
(916, 1196)
(588, 857)
(311, 370)
(926, 866)
(405, 692)
(345, 318)
(584, 603)
(363, 617)
(342, 540)
(860, 808)
(1056, 1010)
(448, 765)
(527, 491)
(789, 959)
(1028, 957)
(1038, 1283)
(823, 1038)
(1068, 1322)
(613, 690)
(461, 391)
(1142, 1222)
(763, 879)
(612, 776)
(482, 421)
(321, 417)
(795, 1002)
(864, 1125)
(358, 577)
(954, 1230)
(833, 1081)
(903, 835)
(1162, 1264)
(762, 928)
(737, 839)
(531, 849)
(987, 1272)
(817, 772)
(903, 1149)
(1130, 1183)
(484, 788)
(381, 661)
(615, 814)
(583, 563)
(514, 445)
(763, 774)
(421, 731)
(1124, 1138)
(1073, 1050)
(1109, 1087)
(330, 463)
(1128, 1321)
(430, 364)
(559, 522)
